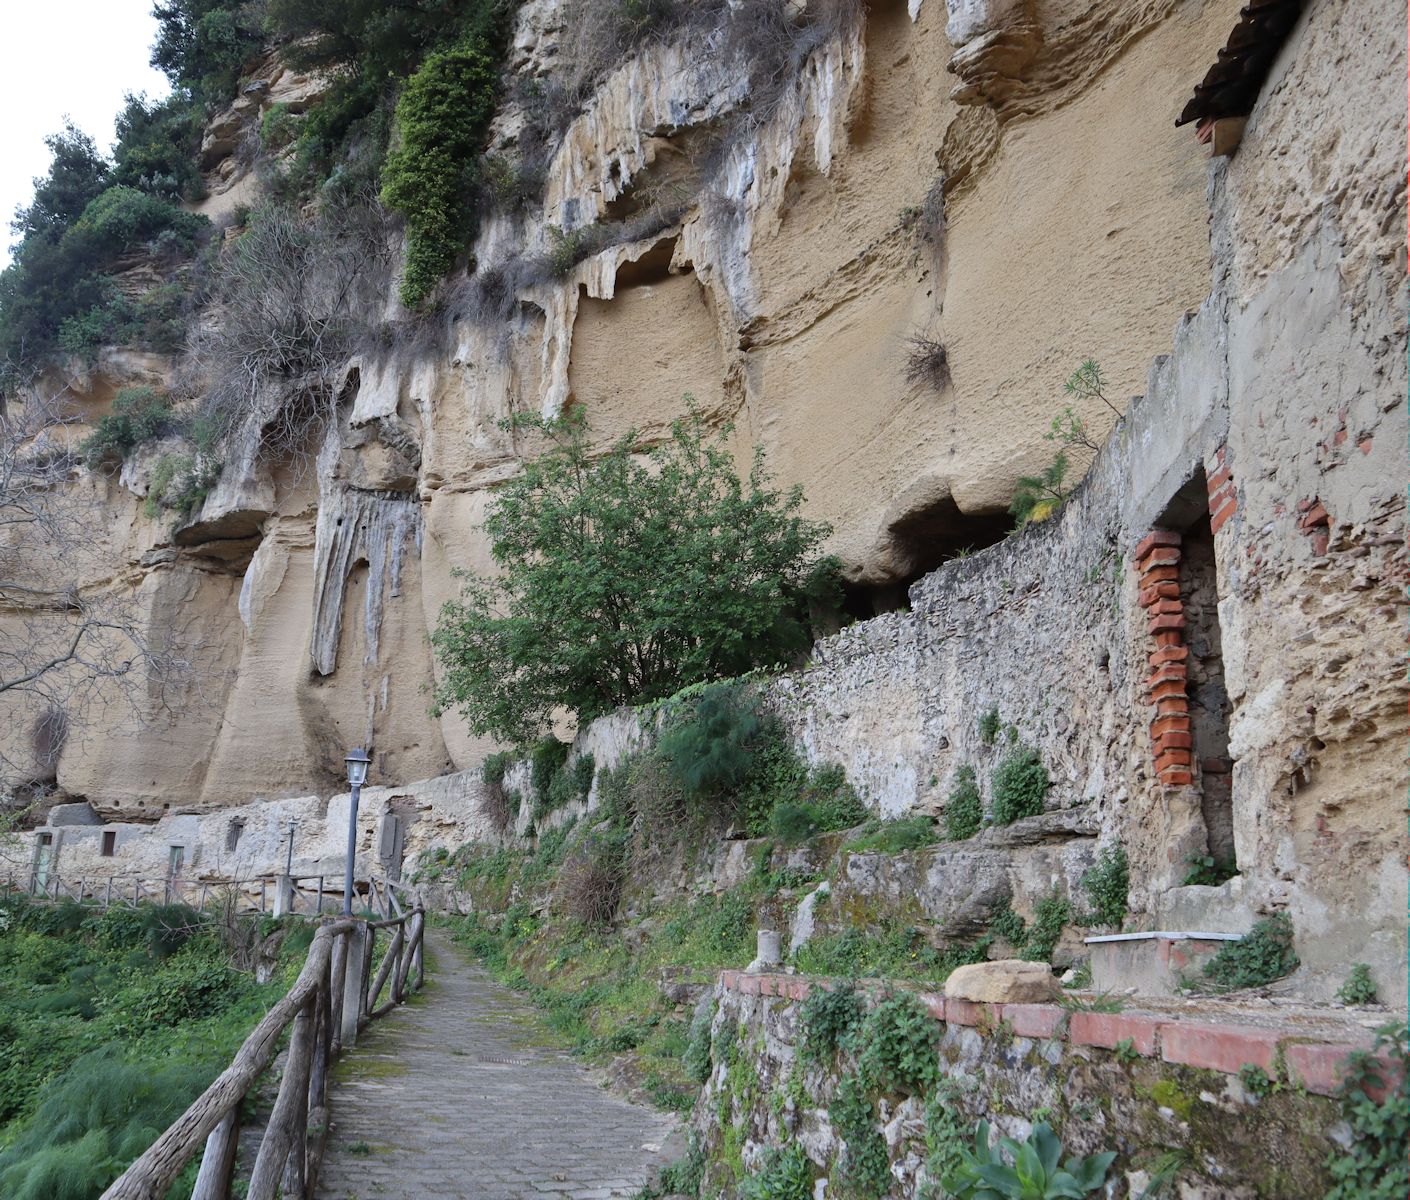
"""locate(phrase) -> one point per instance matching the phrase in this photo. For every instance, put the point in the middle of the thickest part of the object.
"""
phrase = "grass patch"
(893, 837)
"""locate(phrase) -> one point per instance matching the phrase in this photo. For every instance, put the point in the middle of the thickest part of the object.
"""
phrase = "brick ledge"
(1223, 1046)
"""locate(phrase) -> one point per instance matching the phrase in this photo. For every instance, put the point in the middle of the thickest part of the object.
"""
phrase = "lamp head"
(358, 762)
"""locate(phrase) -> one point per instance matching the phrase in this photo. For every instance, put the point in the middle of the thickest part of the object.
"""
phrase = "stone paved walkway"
(455, 1097)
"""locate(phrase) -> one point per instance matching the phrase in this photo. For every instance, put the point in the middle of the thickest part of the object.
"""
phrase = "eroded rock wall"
(782, 298)
(1006, 180)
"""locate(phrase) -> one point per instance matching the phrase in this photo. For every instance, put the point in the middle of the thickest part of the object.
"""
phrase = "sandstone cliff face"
(1072, 224)
(1005, 179)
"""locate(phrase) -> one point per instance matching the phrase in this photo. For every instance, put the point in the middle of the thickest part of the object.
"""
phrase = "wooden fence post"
(355, 967)
(284, 1134)
(338, 970)
(213, 1181)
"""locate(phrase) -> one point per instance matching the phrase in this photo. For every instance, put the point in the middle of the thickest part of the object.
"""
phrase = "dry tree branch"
(72, 641)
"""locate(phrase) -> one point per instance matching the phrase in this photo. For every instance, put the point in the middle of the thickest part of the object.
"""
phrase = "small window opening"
(109, 843)
(232, 834)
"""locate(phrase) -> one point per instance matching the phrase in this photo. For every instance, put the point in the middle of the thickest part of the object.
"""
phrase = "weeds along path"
(458, 1095)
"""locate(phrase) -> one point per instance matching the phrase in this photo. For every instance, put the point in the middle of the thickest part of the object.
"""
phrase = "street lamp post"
(289, 859)
(358, 762)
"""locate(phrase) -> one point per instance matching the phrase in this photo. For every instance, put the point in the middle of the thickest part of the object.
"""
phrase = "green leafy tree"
(77, 174)
(201, 44)
(156, 147)
(624, 578)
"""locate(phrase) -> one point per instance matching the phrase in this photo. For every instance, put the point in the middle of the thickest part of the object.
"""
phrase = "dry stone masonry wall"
(1134, 1081)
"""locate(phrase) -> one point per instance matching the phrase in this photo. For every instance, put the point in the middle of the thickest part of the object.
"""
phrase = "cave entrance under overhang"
(923, 529)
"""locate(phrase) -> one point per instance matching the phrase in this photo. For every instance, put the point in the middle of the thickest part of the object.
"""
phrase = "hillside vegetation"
(111, 1023)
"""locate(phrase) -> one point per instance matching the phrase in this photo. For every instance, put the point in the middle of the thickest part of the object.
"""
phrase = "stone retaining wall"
(1161, 1088)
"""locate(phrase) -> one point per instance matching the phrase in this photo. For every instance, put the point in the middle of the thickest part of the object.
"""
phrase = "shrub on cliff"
(442, 116)
(1263, 954)
(57, 293)
(964, 814)
(624, 578)
(201, 44)
(1019, 786)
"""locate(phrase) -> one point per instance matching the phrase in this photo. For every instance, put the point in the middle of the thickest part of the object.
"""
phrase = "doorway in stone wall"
(1209, 707)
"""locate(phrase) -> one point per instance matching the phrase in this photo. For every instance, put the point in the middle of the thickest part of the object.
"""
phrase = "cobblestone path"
(454, 1096)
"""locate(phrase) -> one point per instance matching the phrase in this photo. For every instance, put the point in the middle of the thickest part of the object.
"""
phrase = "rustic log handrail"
(385, 897)
(332, 999)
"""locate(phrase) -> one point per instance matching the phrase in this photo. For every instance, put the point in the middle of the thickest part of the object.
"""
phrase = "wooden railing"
(309, 895)
(334, 997)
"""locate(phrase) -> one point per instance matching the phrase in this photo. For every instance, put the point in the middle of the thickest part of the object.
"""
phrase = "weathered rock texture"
(1076, 221)
(782, 298)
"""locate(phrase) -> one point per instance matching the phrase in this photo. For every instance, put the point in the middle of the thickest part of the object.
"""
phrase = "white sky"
(58, 57)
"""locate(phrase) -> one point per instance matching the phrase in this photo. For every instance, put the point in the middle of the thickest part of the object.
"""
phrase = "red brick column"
(1158, 567)
(1222, 499)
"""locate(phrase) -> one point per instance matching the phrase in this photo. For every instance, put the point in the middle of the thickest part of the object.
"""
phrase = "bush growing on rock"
(138, 415)
(829, 1018)
(898, 1045)
(443, 115)
(1375, 1165)
(786, 1175)
(893, 837)
(710, 747)
(1359, 987)
(964, 813)
(623, 581)
(1107, 884)
(1020, 786)
(864, 1167)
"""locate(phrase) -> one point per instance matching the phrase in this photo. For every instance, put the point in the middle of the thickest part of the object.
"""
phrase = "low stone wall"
(1160, 1087)
(252, 840)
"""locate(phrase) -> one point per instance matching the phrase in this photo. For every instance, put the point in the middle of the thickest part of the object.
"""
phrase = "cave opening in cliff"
(1208, 695)
(923, 537)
